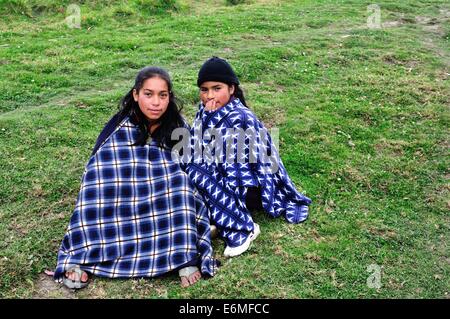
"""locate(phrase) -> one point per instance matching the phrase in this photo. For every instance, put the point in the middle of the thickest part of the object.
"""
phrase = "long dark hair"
(170, 120)
(238, 93)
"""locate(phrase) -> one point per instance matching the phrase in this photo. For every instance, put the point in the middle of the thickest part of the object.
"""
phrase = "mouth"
(154, 111)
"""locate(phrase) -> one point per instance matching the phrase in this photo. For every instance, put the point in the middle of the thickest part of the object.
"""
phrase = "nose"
(155, 100)
(210, 95)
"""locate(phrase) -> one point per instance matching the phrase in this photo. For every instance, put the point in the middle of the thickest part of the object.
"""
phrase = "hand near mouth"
(211, 105)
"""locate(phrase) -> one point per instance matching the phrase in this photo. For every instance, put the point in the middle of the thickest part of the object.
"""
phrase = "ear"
(232, 89)
(135, 95)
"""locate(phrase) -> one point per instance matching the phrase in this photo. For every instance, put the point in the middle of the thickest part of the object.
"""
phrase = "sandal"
(187, 271)
(75, 284)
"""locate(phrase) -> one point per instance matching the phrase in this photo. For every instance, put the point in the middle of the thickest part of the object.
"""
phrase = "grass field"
(363, 115)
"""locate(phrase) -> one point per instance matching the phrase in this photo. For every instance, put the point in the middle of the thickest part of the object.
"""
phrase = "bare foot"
(74, 276)
(191, 279)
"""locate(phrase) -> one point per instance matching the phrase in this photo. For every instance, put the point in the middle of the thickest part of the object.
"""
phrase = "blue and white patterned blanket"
(224, 183)
(137, 214)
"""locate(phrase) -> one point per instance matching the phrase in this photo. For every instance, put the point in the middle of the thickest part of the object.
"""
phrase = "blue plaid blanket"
(137, 214)
(224, 183)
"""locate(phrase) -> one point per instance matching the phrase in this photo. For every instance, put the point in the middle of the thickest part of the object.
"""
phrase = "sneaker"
(236, 251)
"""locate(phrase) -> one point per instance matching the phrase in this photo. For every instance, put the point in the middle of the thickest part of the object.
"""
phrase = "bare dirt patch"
(47, 288)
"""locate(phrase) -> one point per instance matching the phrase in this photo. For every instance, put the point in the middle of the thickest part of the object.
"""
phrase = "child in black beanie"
(231, 186)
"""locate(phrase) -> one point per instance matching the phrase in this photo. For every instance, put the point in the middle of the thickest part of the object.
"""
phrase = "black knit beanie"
(217, 69)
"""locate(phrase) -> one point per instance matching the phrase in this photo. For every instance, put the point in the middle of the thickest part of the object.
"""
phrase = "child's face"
(215, 94)
(153, 98)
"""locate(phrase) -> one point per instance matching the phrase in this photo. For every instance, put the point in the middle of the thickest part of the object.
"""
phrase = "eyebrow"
(212, 87)
(164, 91)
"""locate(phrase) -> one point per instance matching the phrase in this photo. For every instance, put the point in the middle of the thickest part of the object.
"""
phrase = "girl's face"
(153, 98)
(214, 95)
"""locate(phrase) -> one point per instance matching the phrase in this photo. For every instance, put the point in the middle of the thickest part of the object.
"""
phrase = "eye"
(203, 90)
(164, 95)
(217, 89)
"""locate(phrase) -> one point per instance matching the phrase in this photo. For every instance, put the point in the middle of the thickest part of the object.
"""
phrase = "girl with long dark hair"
(137, 213)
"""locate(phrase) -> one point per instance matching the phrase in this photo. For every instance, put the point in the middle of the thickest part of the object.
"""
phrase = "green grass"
(363, 116)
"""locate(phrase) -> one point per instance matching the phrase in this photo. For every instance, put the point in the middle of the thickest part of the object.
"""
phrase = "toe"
(84, 277)
(184, 282)
(194, 277)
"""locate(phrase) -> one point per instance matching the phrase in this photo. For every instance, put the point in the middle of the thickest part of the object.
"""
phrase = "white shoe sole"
(236, 251)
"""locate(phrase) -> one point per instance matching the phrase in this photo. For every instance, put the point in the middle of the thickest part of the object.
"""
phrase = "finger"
(211, 104)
